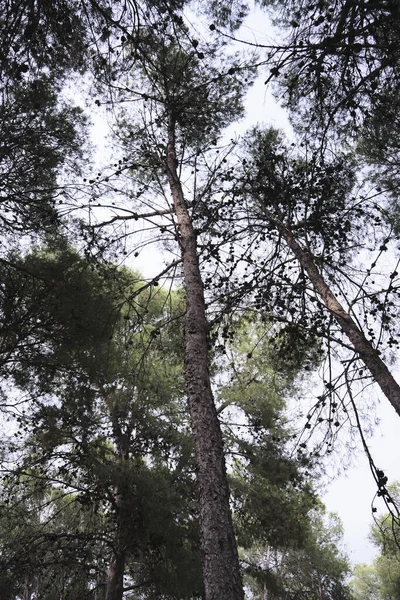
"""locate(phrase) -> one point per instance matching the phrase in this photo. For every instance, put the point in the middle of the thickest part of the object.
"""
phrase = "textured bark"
(115, 576)
(360, 343)
(27, 591)
(116, 568)
(221, 571)
(267, 566)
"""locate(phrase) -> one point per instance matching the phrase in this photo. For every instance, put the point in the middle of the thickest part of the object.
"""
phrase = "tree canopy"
(149, 451)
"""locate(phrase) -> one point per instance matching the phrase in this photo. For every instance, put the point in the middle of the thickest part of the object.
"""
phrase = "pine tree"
(188, 94)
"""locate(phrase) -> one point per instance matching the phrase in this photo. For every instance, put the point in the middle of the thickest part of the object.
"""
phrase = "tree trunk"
(221, 571)
(267, 556)
(360, 343)
(116, 568)
(26, 594)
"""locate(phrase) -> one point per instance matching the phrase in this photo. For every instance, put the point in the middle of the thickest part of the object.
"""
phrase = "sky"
(351, 488)
(353, 491)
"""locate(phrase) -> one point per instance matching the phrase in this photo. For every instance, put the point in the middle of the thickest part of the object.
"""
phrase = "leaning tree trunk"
(368, 354)
(221, 571)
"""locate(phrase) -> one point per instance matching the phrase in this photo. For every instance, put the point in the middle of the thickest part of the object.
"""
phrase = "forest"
(195, 322)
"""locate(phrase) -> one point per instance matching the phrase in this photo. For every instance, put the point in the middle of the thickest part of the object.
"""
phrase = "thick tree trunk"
(221, 571)
(360, 343)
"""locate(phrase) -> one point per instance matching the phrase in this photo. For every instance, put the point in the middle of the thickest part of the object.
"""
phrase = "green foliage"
(225, 15)
(191, 84)
(41, 35)
(379, 146)
(41, 132)
(106, 446)
(107, 427)
(365, 583)
(381, 580)
(315, 569)
(41, 542)
(53, 307)
(271, 489)
(337, 59)
(39, 136)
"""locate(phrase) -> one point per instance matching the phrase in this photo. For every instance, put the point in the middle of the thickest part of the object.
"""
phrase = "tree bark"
(116, 568)
(364, 348)
(221, 570)
(267, 556)
(27, 589)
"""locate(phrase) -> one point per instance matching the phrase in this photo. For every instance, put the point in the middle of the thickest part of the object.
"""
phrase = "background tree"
(171, 175)
(41, 131)
(318, 569)
(381, 580)
(379, 149)
(104, 483)
(338, 60)
(337, 69)
(44, 545)
(364, 583)
(105, 427)
(297, 244)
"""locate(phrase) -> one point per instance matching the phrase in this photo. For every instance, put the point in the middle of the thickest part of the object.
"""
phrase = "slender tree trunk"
(116, 568)
(26, 594)
(221, 571)
(267, 557)
(360, 343)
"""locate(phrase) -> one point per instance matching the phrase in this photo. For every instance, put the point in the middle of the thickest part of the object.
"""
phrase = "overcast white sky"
(351, 494)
